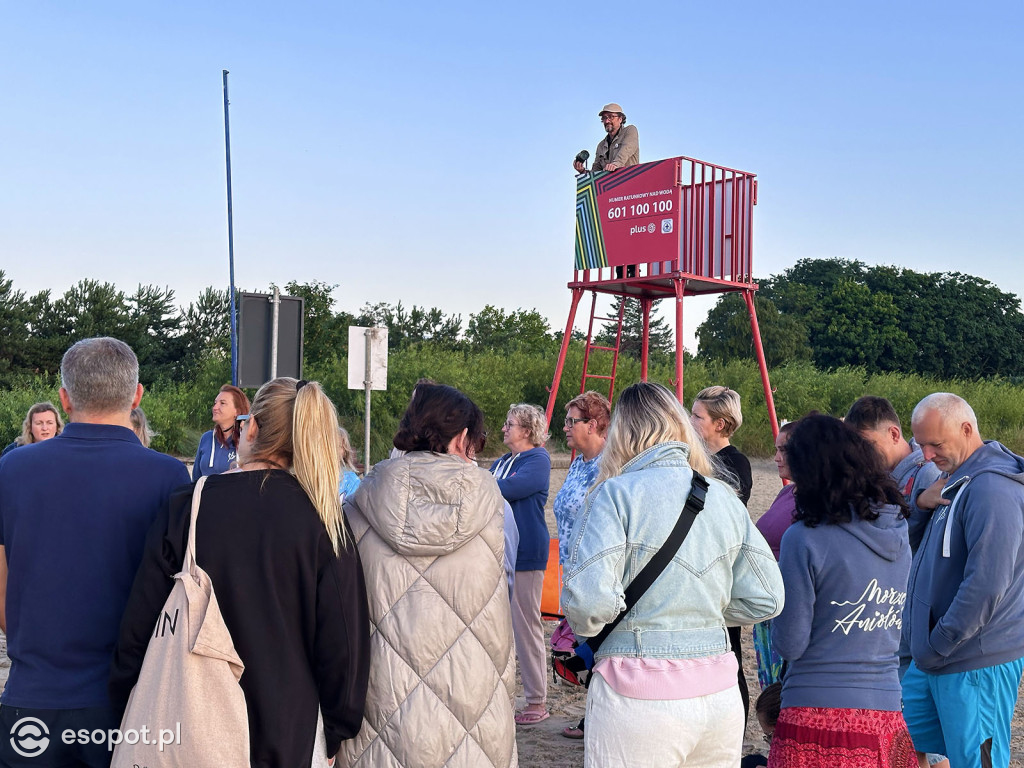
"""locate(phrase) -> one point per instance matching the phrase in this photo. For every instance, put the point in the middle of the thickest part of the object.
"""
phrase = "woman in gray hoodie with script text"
(845, 562)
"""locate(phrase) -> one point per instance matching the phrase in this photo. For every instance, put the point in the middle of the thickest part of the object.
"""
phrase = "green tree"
(48, 336)
(91, 308)
(155, 333)
(413, 326)
(882, 318)
(725, 335)
(206, 329)
(324, 333)
(962, 326)
(859, 328)
(495, 329)
(14, 333)
(660, 342)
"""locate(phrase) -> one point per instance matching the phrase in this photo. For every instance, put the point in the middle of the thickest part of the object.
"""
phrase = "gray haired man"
(965, 597)
(74, 512)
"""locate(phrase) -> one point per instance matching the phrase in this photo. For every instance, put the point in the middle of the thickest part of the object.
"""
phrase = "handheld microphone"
(582, 157)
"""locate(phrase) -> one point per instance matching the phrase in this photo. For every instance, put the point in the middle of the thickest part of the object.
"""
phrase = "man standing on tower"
(620, 148)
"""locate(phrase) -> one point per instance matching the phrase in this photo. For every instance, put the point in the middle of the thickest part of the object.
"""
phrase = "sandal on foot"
(531, 717)
(573, 731)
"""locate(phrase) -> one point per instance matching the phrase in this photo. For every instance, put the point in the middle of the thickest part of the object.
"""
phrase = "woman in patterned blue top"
(586, 429)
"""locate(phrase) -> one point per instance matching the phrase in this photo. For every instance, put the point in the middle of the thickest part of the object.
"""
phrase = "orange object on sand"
(551, 592)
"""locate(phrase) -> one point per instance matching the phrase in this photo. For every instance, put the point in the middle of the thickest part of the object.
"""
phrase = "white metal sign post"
(367, 370)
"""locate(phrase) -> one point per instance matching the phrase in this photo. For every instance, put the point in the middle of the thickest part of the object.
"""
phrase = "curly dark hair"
(435, 415)
(837, 473)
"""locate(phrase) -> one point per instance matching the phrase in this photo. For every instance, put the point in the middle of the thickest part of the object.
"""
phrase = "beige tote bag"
(187, 703)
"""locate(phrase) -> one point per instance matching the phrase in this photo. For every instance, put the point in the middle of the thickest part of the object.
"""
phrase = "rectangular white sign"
(357, 340)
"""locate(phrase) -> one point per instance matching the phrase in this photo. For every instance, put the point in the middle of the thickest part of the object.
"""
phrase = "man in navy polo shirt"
(74, 512)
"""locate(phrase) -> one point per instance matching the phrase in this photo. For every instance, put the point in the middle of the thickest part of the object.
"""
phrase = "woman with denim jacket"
(664, 687)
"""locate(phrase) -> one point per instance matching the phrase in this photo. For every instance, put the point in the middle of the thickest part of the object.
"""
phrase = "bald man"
(965, 597)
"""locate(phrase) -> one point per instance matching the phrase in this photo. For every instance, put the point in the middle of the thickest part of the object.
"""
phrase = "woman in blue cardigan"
(523, 475)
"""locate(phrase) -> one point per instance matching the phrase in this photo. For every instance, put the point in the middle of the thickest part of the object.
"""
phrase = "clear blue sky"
(421, 152)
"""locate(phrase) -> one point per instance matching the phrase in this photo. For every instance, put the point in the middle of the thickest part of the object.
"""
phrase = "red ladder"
(592, 346)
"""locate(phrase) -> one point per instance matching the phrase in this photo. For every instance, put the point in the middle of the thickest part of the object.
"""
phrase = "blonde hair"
(533, 420)
(722, 403)
(346, 455)
(26, 437)
(140, 424)
(645, 415)
(298, 422)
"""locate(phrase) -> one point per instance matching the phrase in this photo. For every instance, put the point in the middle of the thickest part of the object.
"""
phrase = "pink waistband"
(668, 679)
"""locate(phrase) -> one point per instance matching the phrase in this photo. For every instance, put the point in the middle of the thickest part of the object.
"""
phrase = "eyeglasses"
(510, 424)
(767, 738)
(609, 116)
(570, 422)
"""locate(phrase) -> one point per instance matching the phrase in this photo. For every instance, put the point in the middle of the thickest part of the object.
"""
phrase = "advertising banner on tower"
(630, 216)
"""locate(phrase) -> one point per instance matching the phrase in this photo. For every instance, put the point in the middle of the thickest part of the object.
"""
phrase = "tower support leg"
(769, 399)
(680, 288)
(645, 349)
(577, 294)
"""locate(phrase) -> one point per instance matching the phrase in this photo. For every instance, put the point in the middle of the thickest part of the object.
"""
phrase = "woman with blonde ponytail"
(288, 579)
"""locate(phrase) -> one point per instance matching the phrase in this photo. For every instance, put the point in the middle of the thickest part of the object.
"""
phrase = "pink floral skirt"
(815, 737)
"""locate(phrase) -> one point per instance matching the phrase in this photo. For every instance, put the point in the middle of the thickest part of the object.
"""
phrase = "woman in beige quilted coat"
(429, 527)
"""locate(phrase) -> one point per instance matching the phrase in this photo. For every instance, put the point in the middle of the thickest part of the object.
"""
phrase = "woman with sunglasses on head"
(285, 572)
(217, 451)
(524, 477)
(663, 690)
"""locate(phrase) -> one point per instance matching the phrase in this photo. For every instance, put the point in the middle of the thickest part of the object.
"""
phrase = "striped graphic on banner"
(590, 253)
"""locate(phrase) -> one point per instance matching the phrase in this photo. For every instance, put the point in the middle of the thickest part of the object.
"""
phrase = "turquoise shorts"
(955, 714)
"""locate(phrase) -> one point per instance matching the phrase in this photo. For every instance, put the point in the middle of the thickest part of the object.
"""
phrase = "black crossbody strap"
(652, 570)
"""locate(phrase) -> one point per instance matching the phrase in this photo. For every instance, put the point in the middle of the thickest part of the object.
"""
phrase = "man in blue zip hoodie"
(965, 597)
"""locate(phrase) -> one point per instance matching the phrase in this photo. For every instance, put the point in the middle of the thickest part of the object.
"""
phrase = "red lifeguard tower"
(668, 229)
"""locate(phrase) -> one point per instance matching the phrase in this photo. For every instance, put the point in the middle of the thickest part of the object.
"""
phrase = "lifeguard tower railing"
(668, 229)
(679, 215)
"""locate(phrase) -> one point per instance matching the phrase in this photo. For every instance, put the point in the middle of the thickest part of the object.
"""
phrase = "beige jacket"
(624, 149)
(442, 668)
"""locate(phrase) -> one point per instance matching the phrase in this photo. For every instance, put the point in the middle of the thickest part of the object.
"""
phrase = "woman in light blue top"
(349, 476)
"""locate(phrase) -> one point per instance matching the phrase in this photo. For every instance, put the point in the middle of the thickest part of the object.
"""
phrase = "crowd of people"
(381, 619)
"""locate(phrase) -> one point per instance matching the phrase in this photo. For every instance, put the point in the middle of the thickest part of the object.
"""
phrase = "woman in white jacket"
(429, 527)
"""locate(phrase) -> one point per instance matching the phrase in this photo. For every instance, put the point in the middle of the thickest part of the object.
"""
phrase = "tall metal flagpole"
(231, 241)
